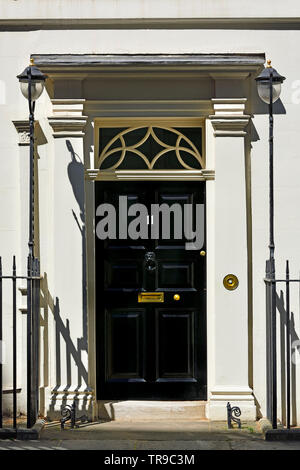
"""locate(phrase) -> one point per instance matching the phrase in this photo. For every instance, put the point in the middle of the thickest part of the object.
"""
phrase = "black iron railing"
(271, 303)
(33, 312)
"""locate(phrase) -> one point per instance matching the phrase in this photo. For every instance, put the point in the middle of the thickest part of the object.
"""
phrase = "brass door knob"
(176, 297)
(202, 253)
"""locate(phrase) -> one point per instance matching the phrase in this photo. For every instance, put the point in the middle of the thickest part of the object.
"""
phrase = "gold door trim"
(151, 297)
(183, 143)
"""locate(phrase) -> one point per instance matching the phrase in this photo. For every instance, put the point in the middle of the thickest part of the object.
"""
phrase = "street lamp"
(32, 82)
(269, 88)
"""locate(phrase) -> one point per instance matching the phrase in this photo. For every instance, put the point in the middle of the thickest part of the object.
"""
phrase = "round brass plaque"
(176, 297)
(230, 282)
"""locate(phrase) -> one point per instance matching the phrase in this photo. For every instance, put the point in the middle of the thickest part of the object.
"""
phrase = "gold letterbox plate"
(151, 297)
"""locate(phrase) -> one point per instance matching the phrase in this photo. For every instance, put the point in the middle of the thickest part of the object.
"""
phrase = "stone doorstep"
(135, 411)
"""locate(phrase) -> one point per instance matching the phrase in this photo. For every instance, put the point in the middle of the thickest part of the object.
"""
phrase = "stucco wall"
(55, 249)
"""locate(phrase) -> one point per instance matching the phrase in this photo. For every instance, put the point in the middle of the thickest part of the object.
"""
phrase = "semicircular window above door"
(149, 147)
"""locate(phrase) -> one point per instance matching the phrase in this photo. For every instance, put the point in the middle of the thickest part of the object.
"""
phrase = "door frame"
(92, 175)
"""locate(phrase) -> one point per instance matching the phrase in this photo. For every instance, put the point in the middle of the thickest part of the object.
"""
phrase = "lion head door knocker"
(150, 263)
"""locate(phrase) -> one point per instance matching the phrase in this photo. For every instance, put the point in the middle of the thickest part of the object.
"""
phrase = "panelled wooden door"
(154, 350)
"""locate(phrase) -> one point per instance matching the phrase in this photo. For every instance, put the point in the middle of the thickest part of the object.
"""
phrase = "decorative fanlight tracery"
(187, 154)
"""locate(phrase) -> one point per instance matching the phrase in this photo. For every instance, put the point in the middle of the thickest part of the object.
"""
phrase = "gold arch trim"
(183, 144)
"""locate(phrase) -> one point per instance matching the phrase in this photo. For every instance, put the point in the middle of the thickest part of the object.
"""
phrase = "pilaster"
(71, 369)
(229, 380)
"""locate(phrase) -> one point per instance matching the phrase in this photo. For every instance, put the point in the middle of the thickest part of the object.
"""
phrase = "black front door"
(150, 299)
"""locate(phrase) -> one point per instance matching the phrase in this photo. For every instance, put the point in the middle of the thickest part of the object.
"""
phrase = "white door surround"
(226, 125)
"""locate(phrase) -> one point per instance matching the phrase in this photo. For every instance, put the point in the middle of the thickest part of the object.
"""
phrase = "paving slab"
(133, 445)
(152, 431)
(150, 436)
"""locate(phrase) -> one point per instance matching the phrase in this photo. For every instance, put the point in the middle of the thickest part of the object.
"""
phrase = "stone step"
(132, 410)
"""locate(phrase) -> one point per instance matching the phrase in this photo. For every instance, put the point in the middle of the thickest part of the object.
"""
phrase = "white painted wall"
(145, 9)
(15, 49)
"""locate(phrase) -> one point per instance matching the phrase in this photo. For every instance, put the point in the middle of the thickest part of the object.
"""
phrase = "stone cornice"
(70, 66)
(67, 119)
(229, 126)
(176, 60)
(126, 12)
(68, 126)
(229, 119)
(251, 23)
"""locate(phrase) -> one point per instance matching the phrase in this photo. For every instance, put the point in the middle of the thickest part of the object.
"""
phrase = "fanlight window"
(150, 147)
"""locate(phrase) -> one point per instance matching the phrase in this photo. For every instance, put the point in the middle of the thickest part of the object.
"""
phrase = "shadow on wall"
(62, 336)
(76, 177)
(73, 352)
(295, 356)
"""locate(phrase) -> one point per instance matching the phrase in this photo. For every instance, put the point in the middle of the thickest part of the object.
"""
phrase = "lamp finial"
(269, 63)
(32, 61)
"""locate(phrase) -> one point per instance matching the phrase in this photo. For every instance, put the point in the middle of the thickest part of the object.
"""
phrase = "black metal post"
(30, 256)
(29, 338)
(268, 341)
(14, 281)
(31, 168)
(272, 261)
(288, 350)
(1, 345)
(73, 415)
(35, 335)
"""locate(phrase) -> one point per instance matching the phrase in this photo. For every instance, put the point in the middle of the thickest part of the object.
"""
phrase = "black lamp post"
(269, 88)
(32, 82)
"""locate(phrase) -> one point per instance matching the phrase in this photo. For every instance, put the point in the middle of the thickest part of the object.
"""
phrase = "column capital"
(229, 119)
(22, 128)
(68, 119)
